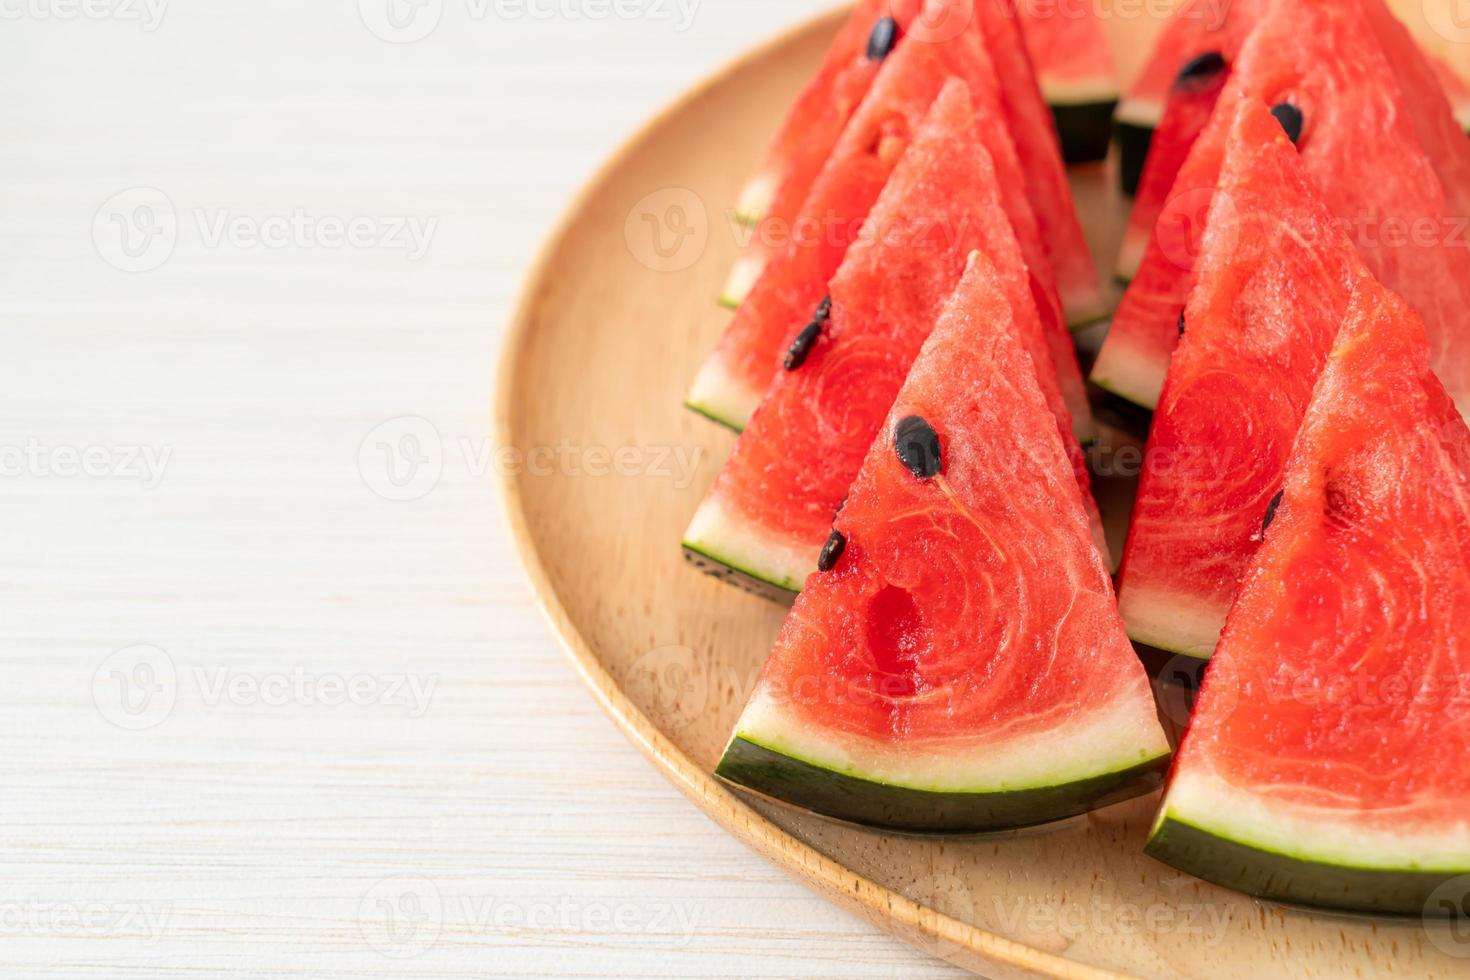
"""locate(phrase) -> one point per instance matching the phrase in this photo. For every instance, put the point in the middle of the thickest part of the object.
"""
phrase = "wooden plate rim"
(875, 902)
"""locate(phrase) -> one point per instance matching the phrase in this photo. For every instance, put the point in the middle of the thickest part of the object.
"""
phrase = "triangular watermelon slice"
(960, 665)
(1191, 103)
(1199, 29)
(1274, 283)
(1379, 139)
(773, 196)
(771, 505)
(1073, 57)
(1325, 764)
(736, 375)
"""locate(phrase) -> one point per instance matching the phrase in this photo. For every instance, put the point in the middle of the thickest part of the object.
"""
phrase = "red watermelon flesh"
(773, 196)
(730, 384)
(960, 665)
(1325, 762)
(1360, 143)
(1197, 28)
(1274, 282)
(1042, 170)
(771, 506)
(1191, 102)
(1073, 57)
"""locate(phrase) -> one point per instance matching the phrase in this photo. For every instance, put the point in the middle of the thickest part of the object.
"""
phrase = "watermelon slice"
(992, 23)
(771, 506)
(1362, 141)
(731, 382)
(1191, 102)
(773, 196)
(1325, 763)
(1198, 28)
(959, 665)
(1274, 284)
(1074, 64)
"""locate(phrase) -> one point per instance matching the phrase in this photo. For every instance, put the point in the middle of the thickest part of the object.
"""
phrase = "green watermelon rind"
(1207, 846)
(806, 784)
(1118, 376)
(1134, 123)
(739, 554)
(1084, 126)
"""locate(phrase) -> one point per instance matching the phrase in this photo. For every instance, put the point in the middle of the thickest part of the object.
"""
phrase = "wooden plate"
(603, 470)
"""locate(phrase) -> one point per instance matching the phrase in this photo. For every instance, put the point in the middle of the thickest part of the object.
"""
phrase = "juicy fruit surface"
(1070, 51)
(795, 461)
(1335, 717)
(1361, 142)
(1274, 283)
(966, 638)
(1191, 102)
(745, 359)
(1197, 27)
(812, 125)
(1044, 175)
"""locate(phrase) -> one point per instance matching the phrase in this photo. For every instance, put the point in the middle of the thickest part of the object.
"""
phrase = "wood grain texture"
(243, 838)
(671, 655)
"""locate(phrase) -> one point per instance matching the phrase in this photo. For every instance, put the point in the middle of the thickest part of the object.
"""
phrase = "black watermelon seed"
(1290, 118)
(831, 551)
(824, 310)
(918, 447)
(883, 38)
(1201, 66)
(1271, 510)
(1181, 323)
(802, 345)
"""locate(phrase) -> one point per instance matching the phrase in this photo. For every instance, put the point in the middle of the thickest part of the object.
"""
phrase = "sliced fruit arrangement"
(1326, 68)
(774, 194)
(1198, 29)
(779, 286)
(1191, 102)
(771, 506)
(1274, 283)
(1073, 58)
(731, 381)
(1325, 762)
(958, 664)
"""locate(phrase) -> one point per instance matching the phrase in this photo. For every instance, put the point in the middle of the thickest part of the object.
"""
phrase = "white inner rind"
(743, 275)
(1130, 253)
(1140, 112)
(720, 396)
(1120, 734)
(716, 532)
(1171, 621)
(1140, 380)
(755, 198)
(1084, 92)
(1199, 797)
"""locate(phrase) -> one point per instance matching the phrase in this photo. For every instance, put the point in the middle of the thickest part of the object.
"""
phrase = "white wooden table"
(276, 700)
